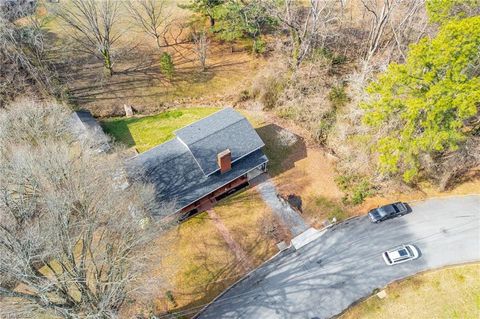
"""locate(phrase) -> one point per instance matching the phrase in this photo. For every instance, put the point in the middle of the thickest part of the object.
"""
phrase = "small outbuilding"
(205, 162)
(88, 131)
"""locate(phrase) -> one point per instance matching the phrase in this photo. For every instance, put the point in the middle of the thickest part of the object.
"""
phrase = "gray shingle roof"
(88, 130)
(177, 178)
(180, 181)
(185, 169)
(211, 135)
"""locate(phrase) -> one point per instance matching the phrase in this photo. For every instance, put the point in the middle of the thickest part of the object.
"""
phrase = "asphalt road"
(323, 278)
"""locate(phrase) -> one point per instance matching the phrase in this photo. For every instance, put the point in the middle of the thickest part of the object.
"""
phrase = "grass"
(244, 214)
(149, 131)
(448, 293)
(201, 262)
(330, 208)
(138, 79)
(194, 263)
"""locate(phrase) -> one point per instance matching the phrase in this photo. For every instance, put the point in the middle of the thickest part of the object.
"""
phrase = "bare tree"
(152, 17)
(24, 65)
(70, 239)
(93, 24)
(308, 26)
(409, 25)
(202, 43)
(394, 24)
(380, 16)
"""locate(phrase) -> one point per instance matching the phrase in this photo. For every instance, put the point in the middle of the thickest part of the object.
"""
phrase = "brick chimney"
(224, 160)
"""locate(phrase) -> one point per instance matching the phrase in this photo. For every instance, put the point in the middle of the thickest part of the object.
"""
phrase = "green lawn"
(149, 131)
(443, 294)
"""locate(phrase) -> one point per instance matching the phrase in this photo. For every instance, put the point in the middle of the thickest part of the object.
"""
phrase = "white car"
(400, 254)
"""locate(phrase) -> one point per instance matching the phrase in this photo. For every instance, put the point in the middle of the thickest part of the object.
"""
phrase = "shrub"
(286, 113)
(269, 92)
(324, 127)
(259, 46)
(171, 298)
(269, 83)
(243, 96)
(355, 187)
(335, 59)
(166, 65)
(331, 208)
(361, 191)
(339, 59)
(338, 96)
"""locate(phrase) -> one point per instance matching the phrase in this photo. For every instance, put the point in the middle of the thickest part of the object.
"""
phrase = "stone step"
(306, 237)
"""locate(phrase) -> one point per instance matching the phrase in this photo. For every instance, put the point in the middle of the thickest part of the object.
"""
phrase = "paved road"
(323, 278)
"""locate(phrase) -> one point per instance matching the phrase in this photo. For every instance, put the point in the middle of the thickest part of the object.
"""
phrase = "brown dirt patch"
(311, 178)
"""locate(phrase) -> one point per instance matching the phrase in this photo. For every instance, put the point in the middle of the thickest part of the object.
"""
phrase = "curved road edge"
(445, 211)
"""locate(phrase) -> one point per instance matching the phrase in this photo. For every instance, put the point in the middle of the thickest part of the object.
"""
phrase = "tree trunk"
(107, 61)
(296, 43)
(212, 21)
(159, 44)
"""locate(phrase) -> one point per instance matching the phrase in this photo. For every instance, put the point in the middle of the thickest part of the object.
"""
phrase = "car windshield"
(400, 254)
(382, 211)
(376, 214)
(387, 210)
(403, 252)
(410, 252)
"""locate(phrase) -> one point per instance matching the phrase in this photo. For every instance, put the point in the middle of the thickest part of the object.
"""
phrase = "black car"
(388, 211)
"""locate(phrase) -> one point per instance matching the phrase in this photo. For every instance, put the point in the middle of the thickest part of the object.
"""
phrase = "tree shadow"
(219, 278)
(321, 281)
(282, 147)
(119, 131)
(295, 201)
(192, 75)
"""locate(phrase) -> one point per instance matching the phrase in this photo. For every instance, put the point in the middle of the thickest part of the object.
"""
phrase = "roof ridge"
(203, 118)
(191, 153)
(81, 122)
(157, 146)
(201, 139)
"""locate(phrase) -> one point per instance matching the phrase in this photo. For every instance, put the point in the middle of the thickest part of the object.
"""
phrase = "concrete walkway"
(287, 214)
(238, 251)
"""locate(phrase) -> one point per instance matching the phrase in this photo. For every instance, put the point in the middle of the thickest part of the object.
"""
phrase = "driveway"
(282, 209)
(324, 277)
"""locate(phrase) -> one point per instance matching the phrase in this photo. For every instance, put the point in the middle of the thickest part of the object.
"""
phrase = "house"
(88, 131)
(205, 162)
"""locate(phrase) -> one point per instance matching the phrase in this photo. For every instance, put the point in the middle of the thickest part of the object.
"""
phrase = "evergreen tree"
(423, 107)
